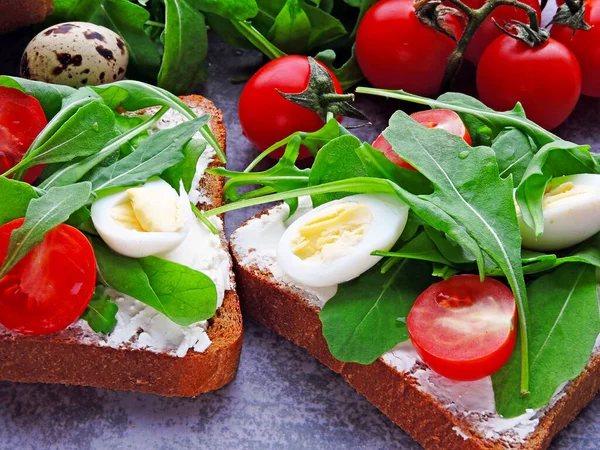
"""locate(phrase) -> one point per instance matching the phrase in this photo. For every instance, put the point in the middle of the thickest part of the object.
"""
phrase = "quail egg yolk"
(333, 233)
(564, 191)
(149, 210)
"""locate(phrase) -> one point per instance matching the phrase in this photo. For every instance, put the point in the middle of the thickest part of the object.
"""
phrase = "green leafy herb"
(186, 46)
(185, 170)
(553, 160)
(101, 312)
(468, 188)
(421, 247)
(564, 324)
(156, 154)
(44, 214)
(69, 10)
(348, 74)
(230, 9)
(49, 95)
(83, 134)
(184, 295)
(291, 28)
(14, 198)
(360, 322)
(514, 152)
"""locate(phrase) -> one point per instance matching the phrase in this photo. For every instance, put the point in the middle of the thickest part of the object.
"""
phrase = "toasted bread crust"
(63, 357)
(393, 393)
(19, 13)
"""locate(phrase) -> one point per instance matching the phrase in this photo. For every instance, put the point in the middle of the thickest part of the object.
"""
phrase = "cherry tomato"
(51, 286)
(431, 118)
(396, 51)
(586, 47)
(21, 120)
(488, 32)
(462, 328)
(545, 79)
(265, 116)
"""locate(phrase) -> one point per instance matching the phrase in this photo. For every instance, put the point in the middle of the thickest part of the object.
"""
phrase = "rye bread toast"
(294, 314)
(19, 13)
(69, 358)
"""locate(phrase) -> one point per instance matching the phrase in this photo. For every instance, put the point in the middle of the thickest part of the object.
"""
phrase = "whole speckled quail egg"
(75, 54)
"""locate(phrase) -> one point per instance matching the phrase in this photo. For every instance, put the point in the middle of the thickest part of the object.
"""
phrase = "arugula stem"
(270, 150)
(355, 185)
(152, 23)
(204, 219)
(257, 39)
(475, 17)
(483, 115)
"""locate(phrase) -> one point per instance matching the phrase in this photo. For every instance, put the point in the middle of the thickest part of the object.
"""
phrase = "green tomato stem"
(475, 18)
(257, 39)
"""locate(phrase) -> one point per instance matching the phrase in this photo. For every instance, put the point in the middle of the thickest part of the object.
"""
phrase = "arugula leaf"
(283, 176)
(514, 152)
(49, 95)
(449, 248)
(468, 189)
(44, 214)
(75, 171)
(421, 247)
(185, 48)
(564, 311)
(14, 198)
(184, 295)
(360, 322)
(84, 133)
(70, 10)
(185, 170)
(553, 160)
(230, 9)
(466, 105)
(128, 19)
(133, 95)
(324, 27)
(156, 154)
(291, 29)
(101, 312)
(337, 160)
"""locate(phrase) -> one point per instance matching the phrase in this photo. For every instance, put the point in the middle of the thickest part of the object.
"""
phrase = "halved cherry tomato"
(432, 118)
(464, 329)
(51, 286)
(265, 116)
(21, 120)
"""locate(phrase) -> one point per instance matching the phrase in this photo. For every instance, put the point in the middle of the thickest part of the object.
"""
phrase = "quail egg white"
(571, 207)
(143, 221)
(333, 243)
(75, 54)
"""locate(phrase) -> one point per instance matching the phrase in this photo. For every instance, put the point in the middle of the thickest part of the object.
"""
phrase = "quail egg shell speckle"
(75, 54)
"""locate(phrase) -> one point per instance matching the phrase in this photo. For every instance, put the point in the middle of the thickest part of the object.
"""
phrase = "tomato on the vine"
(462, 328)
(265, 116)
(443, 119)
(21, 120)
(488, 32)
(395, 50)
(585, 44)
(546, 79)
(51, 286)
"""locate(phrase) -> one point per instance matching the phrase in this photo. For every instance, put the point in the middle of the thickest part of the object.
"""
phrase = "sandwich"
(129, 290)
(449, 277)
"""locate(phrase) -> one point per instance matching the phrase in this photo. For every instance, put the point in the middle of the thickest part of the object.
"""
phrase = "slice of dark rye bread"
(64, 357)
(287, 311)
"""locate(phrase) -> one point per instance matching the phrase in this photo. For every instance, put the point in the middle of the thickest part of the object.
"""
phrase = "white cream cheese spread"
(256, 244)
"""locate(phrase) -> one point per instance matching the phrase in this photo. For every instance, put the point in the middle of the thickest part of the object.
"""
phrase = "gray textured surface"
(282, 397)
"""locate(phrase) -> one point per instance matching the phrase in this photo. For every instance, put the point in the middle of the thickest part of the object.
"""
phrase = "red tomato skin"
(423, 331)
(265, 116)
(431, 118)
(21, 120)
(51, 286)
(396, 51)
(488, 32)
(586, 47)
(545, 79)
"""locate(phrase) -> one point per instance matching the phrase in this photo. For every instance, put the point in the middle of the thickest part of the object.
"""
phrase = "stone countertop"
(282, 397)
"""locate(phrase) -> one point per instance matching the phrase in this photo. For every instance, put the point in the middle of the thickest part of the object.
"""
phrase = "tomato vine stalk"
(475, 17)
